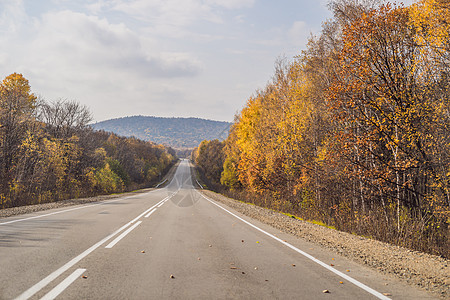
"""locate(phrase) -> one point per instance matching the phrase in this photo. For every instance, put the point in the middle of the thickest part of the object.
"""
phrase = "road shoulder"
(421, 270)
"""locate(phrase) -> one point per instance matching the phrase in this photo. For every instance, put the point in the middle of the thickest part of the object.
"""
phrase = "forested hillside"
(174, 132)
(355, 131)
(48, 152)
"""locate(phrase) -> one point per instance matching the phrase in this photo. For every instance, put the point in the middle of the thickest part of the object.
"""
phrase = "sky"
(166, 58)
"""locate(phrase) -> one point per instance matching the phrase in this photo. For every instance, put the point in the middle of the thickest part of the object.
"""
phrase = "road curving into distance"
(172, 243)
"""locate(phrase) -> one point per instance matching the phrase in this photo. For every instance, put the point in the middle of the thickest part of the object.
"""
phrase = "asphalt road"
(172, 243)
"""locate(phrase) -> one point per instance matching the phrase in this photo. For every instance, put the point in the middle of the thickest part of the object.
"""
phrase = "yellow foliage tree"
(17, 105)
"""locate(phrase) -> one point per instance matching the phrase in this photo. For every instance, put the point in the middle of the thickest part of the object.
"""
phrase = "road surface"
(172, 243)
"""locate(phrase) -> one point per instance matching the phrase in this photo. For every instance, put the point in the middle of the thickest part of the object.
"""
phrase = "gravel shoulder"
(422, 270)
(14, 211)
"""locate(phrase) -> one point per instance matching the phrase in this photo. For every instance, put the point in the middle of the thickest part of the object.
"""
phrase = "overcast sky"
(169, 58)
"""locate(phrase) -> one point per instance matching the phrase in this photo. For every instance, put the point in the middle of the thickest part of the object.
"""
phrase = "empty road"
(172, 243)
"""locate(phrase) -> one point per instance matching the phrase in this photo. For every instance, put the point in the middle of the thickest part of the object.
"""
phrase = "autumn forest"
(354, 133)
(48, 152)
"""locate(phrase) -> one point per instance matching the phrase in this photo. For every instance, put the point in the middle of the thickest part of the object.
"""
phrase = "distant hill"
(174, 132)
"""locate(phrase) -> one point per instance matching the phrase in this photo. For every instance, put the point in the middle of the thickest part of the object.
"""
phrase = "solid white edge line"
(148, 215)
(199, 184)
(72, 209)
(63, 285)
(50, 214)
(41, 284)
(346, 277)
(160, 183)
(117, 239)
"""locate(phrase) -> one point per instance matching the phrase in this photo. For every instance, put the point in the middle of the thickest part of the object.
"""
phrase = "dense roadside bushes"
(355, 131)
(48, 152)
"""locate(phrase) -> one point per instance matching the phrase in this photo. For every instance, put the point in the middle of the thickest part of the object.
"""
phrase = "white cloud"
(12, 15)
(239, 19)
(176, 13)
(96, 7)
(299, 33)
(87, 58)
(75, 41)
(161, 57)
(232, 4)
